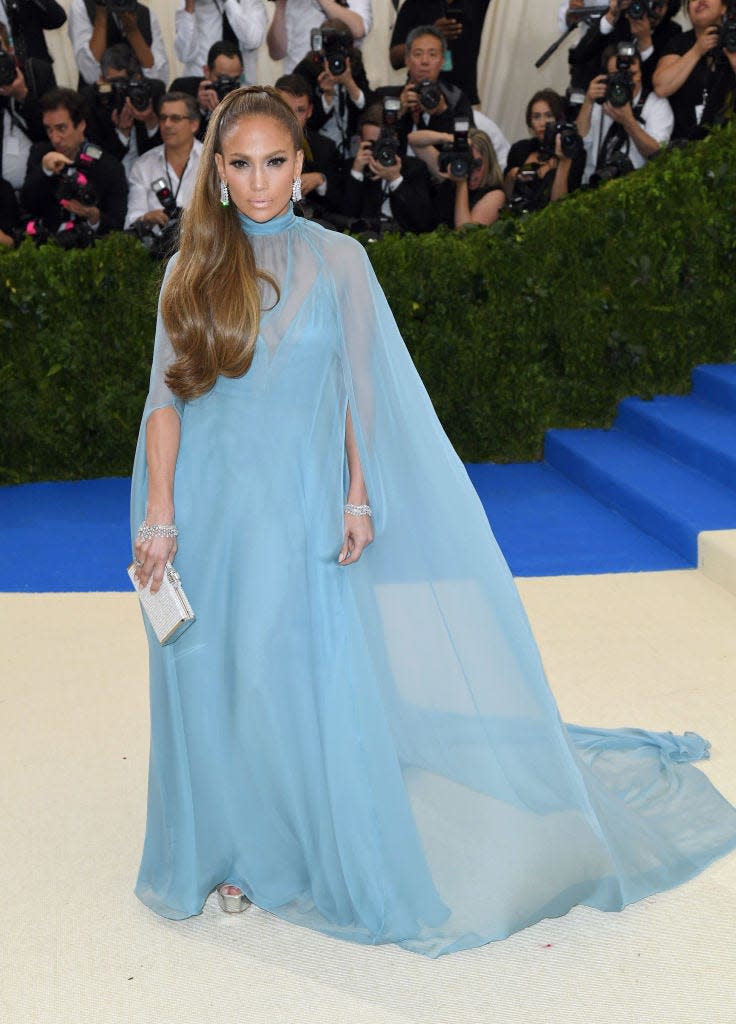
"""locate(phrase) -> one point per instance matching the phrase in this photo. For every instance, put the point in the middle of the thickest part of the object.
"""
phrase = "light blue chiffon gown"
(373, 751)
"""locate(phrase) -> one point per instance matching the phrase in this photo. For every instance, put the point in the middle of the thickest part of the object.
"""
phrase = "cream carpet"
(654, 650)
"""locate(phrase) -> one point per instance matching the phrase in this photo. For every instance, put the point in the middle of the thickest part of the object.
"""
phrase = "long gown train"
(373, 751)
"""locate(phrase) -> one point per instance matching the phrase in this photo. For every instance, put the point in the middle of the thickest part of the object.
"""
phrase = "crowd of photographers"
(121, 150)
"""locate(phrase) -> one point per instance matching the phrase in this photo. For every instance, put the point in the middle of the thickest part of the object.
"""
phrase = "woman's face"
(705, 12)
(541, 116)
(478, 170)
(259, 164)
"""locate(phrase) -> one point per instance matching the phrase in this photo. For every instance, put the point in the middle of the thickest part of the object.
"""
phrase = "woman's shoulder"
(336, 249)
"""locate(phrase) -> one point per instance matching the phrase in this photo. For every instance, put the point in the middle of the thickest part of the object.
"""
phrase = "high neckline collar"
(269, 227)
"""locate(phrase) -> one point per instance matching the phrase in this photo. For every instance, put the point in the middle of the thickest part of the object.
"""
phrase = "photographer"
(697, 72)
(337, 77)
(621, 127)
(198, 24)
(293, 20)
(648, 23)
(538, 171)
(382, 190)
(26, 21)
(460, 22)
(67, 163)
(96, 24)
(321, 168)
(174, 163)
(223, 73)
(20, 114)
(425, 101)
(122, 107)
(475, 197)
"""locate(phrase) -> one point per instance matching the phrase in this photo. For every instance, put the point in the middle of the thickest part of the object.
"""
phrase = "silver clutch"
(168, 610)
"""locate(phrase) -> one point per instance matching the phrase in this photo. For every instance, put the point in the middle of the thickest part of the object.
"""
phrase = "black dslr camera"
(456, 156)
(8, 68)
(386, 147)
(164, 195)
(645, 8)
(620, 85)
(74, 182)
(332, 45)
(112, 95)
(618, 165)
(429, 93)
(160, 242)
(223, 85)
(570, 142)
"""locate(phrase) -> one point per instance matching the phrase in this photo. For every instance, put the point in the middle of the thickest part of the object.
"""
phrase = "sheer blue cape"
(373, 750)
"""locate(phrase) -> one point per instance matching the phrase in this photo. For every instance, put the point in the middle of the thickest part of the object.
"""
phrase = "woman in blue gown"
(357, 736)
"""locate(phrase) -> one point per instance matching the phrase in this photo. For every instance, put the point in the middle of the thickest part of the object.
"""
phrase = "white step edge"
(717, 557)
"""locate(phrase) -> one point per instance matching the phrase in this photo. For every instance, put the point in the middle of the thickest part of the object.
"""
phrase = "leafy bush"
(541, 321)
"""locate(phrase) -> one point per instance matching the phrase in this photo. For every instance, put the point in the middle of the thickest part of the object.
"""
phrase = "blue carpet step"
(546, 526)
(716, 384)
(661, 496)
(694, 432)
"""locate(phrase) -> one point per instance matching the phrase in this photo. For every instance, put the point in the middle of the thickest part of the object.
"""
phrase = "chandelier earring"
(224, 193)
(296, 190)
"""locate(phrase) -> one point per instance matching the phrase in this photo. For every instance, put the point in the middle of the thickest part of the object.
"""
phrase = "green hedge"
(541, 321)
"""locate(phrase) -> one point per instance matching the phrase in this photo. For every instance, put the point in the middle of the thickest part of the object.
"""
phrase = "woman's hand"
(152, 556)
(358, 534)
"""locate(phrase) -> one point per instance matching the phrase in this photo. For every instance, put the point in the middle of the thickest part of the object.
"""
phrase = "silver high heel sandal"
(232, 902)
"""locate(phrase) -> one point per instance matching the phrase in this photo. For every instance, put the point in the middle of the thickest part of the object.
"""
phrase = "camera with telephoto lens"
(620, 85)
(332, 45)
(617, 166)
(727, 39)
(120, 6)
(429, 93)
(386, 147)
(223, 85)
(456, 156)
(8, 69)
(570, 142)
(639, 9)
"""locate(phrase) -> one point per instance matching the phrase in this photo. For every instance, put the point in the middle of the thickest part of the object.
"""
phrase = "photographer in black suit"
(26, 21)
(122, 107)
(321, 168)
(21, 86)
(380, 196)
(92, 183)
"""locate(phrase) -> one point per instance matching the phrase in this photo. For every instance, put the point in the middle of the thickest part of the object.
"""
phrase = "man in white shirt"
(636, 130)
(293, 20)
(174, 163)
(93, 27)
(200, 23)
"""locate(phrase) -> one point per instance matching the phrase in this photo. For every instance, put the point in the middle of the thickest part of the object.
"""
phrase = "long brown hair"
(211, 302)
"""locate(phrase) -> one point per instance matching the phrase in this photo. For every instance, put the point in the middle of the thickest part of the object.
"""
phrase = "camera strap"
(616, 139)
(174, 194)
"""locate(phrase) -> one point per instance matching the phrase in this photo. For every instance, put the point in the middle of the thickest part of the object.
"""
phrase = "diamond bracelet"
(147, 531)
(358, 510)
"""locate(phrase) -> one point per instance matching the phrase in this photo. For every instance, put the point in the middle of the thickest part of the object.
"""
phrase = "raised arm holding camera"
(199, 24)
(72, 187)
(223, 73)
(698, 71)
(96, 24)
(621, 122)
